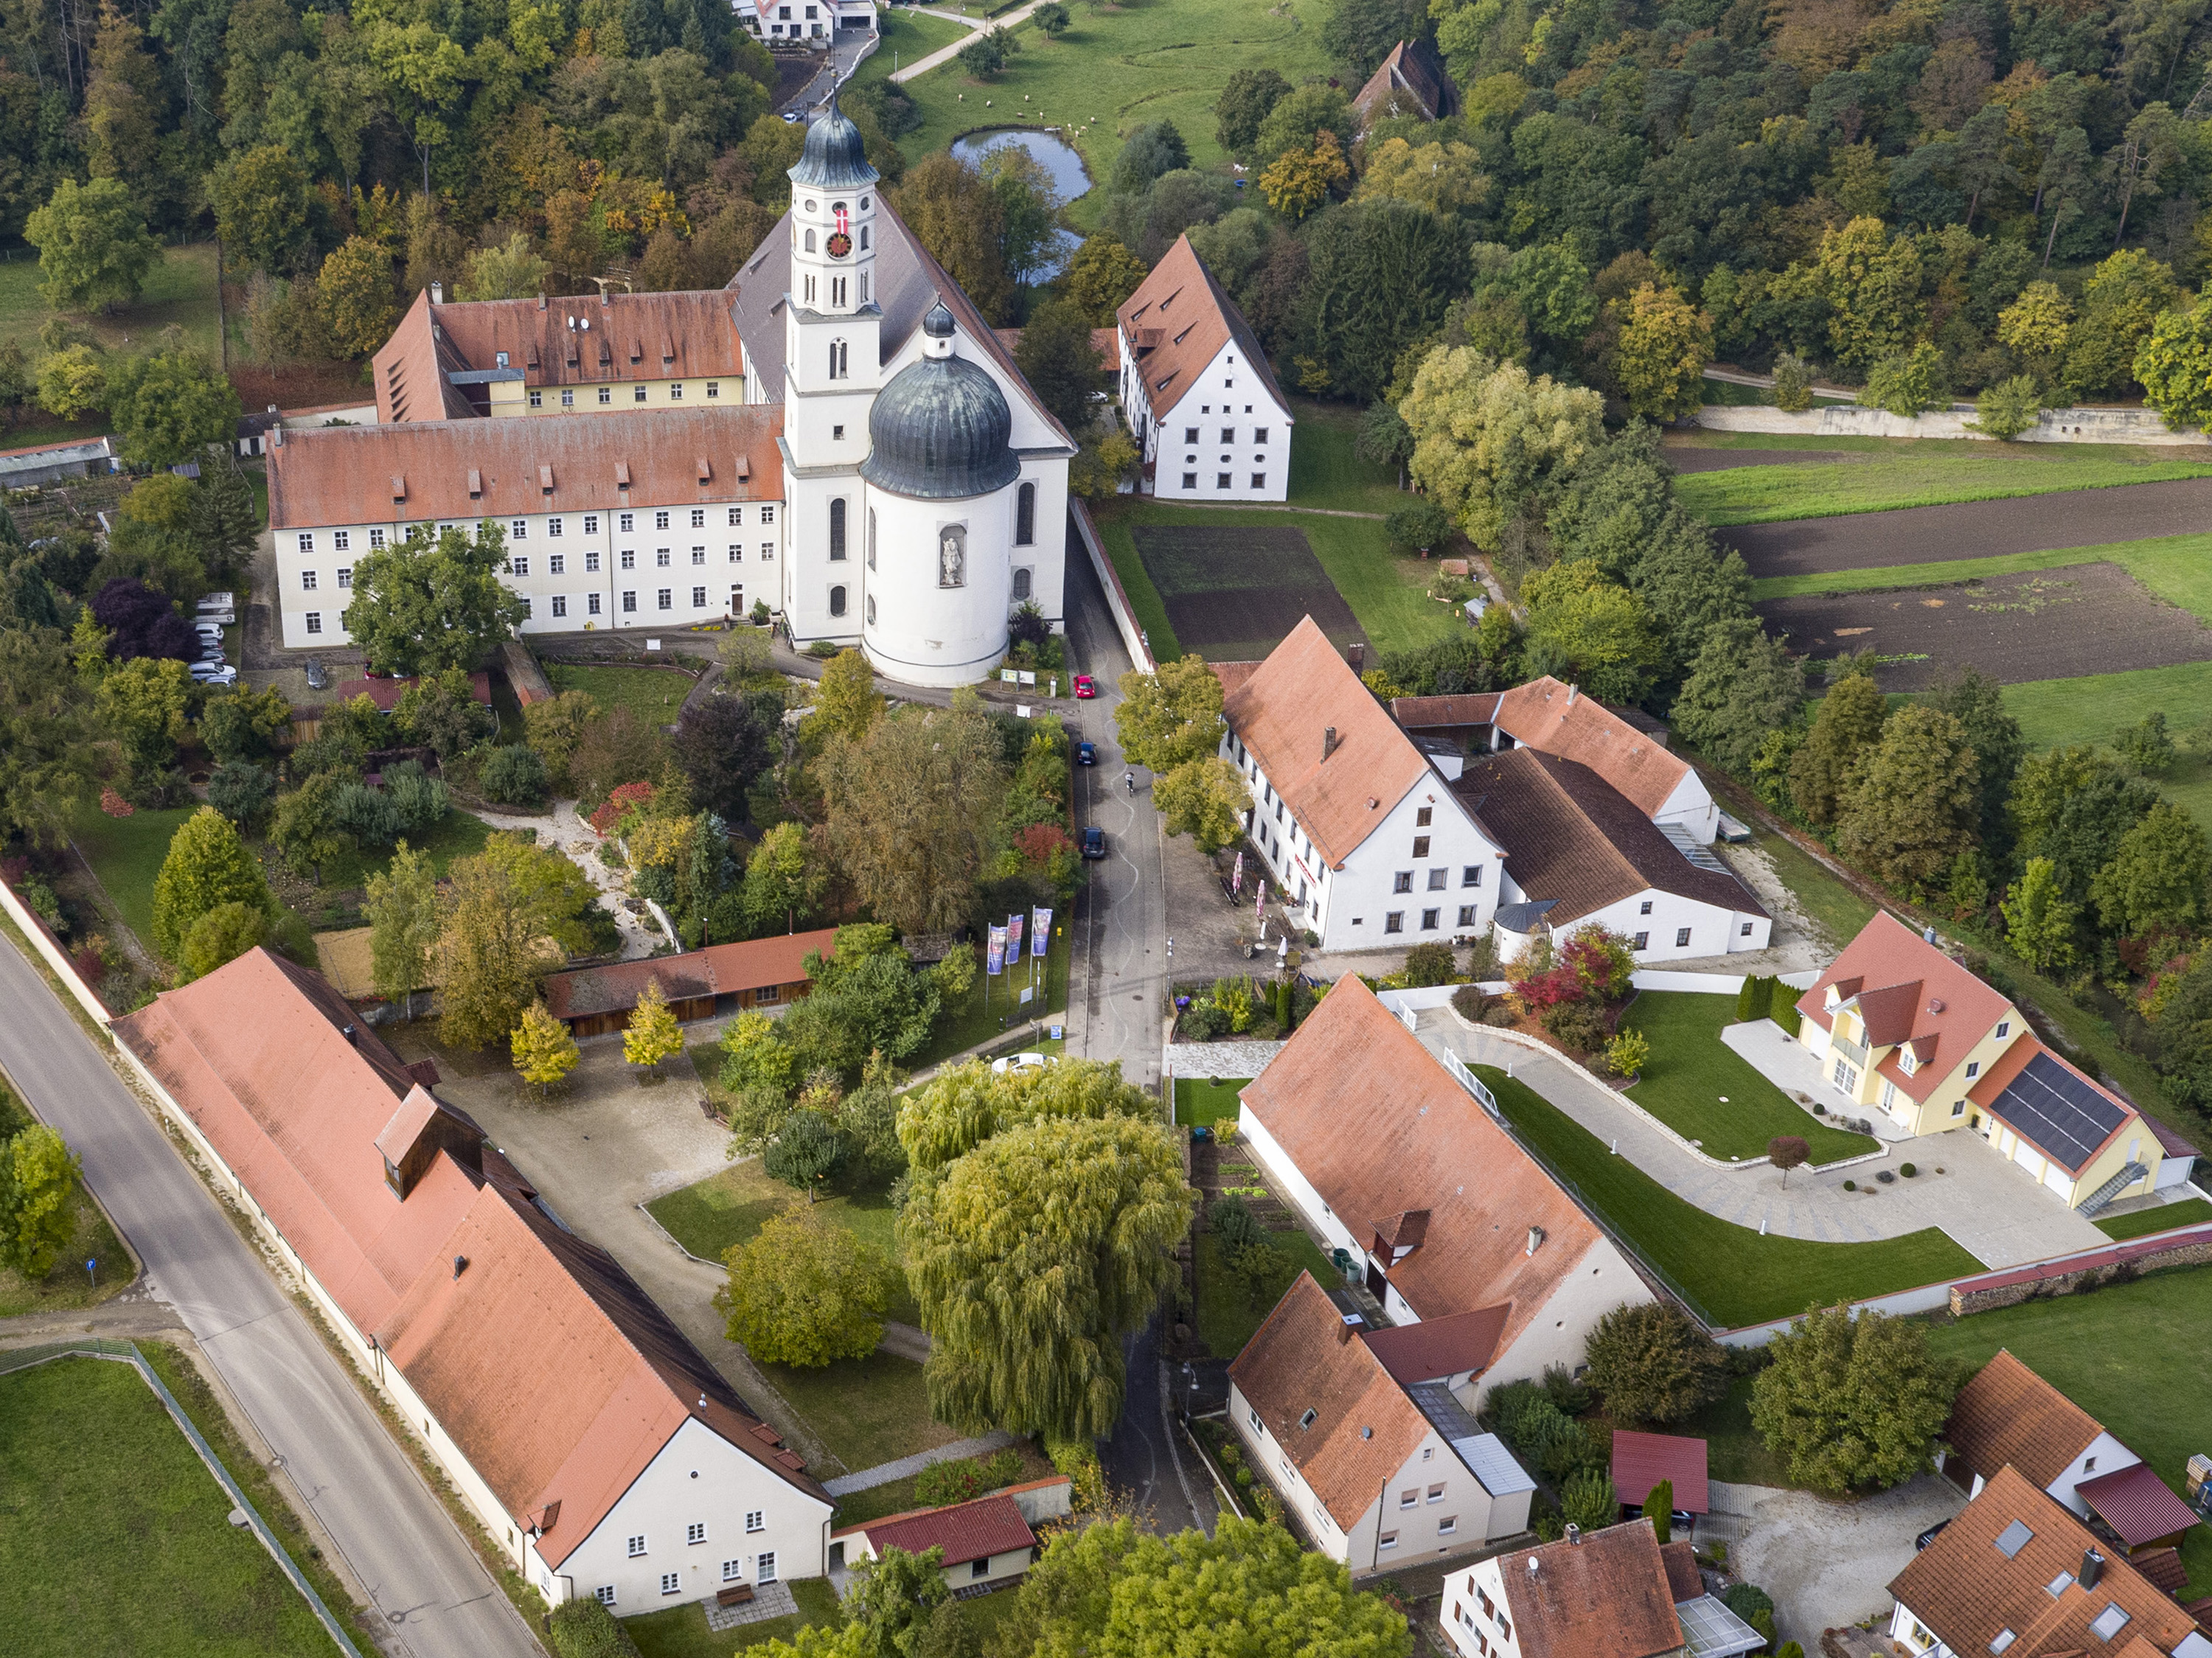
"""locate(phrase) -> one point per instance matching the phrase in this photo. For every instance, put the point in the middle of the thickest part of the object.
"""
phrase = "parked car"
(211, 651)
(1086, 754)
(1928, 1536)
(208, 630)
(1085, 685)
(1020, 1062)
(213, 673)
(318, 680)
(1094, 842)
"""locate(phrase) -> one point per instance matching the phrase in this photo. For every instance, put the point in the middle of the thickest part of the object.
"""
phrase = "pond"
(1056, 156)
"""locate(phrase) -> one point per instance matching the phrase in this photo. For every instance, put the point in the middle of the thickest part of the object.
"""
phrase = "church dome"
(834, 158)
(939, 430)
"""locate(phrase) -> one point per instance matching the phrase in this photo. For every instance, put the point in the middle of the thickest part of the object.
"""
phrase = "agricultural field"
(1233, 593)
(1119, 66)
(1843, 475)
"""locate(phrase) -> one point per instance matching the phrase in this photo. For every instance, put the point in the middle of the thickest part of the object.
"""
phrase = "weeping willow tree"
(1034, 1247)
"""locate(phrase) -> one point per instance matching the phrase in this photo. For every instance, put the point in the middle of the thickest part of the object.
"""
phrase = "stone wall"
(1850, 419)
(2078, 1273)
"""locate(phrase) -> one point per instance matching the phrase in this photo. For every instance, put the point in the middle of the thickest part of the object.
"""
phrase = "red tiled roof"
(1431, 712)
(1179, 320)
(1555, 718)
(1912, 990)
(1641, 1461)
(464, 470)
(2007, 1413)
(2137, 1504)
(1303, 1358)
(385, 691)
(717, 970)
(966, 1531)
(1968, 1591)
(1375, 1124)
(1609, 1595)
(1684, 1581)
(1438, 1347)
(1281, 713)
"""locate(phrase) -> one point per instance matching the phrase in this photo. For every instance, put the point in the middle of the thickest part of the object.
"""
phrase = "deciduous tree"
(401, 902)
(544, 1052)
(1061, 363)
(1914, 805)
(1653, 1364)
(804, 1291)
(1665, 344)
(242, 723)
(1584, 629)
(1170, 716)
(1743, 684)
(434, 601)
(1102, 274)
(957, 217)
(1205, 799)
(910, 811)
(1847, 723)
(40, 1179)
(169, 406)
(784, 880)
(2174, 366)
(93, 247)
(223, 934)
(261, 198)
(356, 297)
(1852, 1403)
(1245, 100)
(1299, 180)
(2159, 877)
(1786, 1152)
(847, 703)
(207, 866)
(653, 1034)
(724, 745)
(1488, 440)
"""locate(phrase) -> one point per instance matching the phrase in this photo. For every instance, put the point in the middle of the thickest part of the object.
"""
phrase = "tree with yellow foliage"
(653, 1034)
(1665, 345)
(544, 1052)
(1299, 180)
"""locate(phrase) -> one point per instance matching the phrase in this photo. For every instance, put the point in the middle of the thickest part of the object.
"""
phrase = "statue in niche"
(952, 557)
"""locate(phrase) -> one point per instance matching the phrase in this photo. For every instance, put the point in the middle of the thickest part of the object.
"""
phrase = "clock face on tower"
(839, 243)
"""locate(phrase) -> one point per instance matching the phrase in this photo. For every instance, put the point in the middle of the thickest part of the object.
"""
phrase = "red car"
(1085, 685)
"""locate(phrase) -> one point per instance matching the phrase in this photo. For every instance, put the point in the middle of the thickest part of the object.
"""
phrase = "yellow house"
(598, 354)
(1900, 1027)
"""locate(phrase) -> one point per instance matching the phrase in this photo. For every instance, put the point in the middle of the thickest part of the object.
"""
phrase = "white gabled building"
(1210, 422)
(1362, 835)
(603, 1455)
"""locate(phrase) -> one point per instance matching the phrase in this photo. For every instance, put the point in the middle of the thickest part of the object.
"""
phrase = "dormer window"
(501, 359)
(1832, 1001)
(1307, 1420)
(1907, 1062)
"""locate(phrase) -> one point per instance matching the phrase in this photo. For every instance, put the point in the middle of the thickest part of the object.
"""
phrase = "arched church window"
(872, 537)
(810, 241)
(837, 528)
(871, 610)
(836, 601)
(1022, 584)
(840, 359)
(864, 239)
(1025, 515)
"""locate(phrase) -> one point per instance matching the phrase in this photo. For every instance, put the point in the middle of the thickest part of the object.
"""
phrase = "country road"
(429, 1592)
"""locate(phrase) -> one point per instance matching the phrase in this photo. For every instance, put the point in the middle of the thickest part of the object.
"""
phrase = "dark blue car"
(1094, 842)
(1086, 754)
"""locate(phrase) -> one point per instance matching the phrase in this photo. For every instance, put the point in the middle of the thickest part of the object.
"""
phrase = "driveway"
(1827, 1564)
(1991, 1207)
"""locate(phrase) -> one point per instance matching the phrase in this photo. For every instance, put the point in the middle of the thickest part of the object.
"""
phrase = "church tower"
(833, 326)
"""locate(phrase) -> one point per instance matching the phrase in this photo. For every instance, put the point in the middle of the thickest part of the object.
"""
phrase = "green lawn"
(1227, 1316)
(1324, 472)
(729, 1209)
(126, 854)
(1918, 472)
(868, 1411)
(1735, 1274)
(1117, 68)
(1733, 1450)
(112, 1537)
(1705, 1090)
(994, 1006)
(908, 37)
(179, 288)
(1207, 1099)
(2190, 1212)
(2132, 1355)
(1388, 591)
(1836, 909)
(654, 695)
(682, 1632)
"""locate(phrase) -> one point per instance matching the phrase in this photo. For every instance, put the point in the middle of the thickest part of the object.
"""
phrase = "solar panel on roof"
(2066, 1115)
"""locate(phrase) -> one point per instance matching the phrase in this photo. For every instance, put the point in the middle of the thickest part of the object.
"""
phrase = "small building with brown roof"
(1578, 852)
(2017, 1573)
(601, 1451)
(1378, 1472)
(988, 1544)
(699, 984)
(1359, 830)
(1356, 1123)
(1899, 1026)
(1641, 1461)
(2006, 1416)
(1609, 1593)
(1211, 423)
(1411, 81)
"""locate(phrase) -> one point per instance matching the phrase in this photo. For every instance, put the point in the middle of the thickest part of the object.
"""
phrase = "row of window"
(671, 1582)
(755, 1520)
(557, 563)
(555, 528)
(1221, 481)
(1470, 875)
(1431, 919)
(663, 598)
(1228, 434)
(636, 394)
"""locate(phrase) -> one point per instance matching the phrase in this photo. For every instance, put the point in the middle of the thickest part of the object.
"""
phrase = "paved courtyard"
(1784, 1060)
(1990, 1205)
(1827, 1564)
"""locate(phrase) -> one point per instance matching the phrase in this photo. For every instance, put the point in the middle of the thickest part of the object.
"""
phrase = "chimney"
(2092, 1567)
(460, 1265)
(1343, 1334)
(1358, 653)
(1329, 741)
(1572, 691)
(437, 293)
(1574, 1535)
(1536, 1238)
(604, 300)
(541, 299)
(352, 1036)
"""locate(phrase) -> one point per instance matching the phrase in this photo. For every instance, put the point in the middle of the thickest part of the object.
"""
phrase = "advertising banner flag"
(1014, 937)
(1237, 878)
(1040, 931)
(994, 955)
(1260, 909)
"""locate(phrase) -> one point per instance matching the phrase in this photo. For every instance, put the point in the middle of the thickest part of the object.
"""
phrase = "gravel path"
(1826, 1563)
(1977, 529)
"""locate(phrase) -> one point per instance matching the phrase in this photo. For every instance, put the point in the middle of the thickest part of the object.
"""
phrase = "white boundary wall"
(1850, 419)
(56, 956)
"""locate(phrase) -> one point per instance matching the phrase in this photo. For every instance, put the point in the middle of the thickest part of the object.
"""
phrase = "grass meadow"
(1705, 1090)
(179, 290)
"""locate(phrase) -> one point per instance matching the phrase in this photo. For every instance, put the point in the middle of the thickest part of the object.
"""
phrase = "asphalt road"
(401, 1546)
(1973, 529)
(1116, 1013)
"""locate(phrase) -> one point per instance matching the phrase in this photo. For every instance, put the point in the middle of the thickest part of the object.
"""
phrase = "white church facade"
(838, 434)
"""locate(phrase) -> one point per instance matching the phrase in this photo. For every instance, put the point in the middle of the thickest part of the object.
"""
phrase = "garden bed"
(1235, 593)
